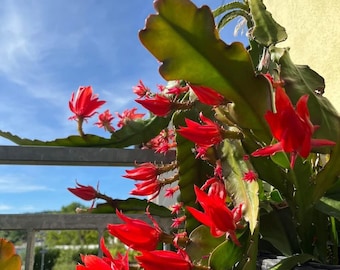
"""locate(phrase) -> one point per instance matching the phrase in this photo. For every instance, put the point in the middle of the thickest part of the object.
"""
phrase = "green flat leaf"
(226, 255)
(133, 133)
(266, 30)
(329, 206)
(202, 243)
(241, 191)
(132, 206)
(274, 228)
(276, 197)
(328, 177)
(281, 159)
(232, 15)
(183, 37)
(290, 262)
(230, 6)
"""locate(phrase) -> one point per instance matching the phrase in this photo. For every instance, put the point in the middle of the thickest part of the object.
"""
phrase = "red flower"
(162, 142)
(178, 221)
(128, 115)
(217, 215)
(87, 193)
(84, 104)
(176, 208)
(120, 262)
(250, 176)
(216, 187)
(292, 128)
(207, 95)
(169, 192)
(136, 233)
(207, 134)
(144, 172)
(141, 90)
(105, 119)
(92, 262)
(164, 259)
(158, 105)
(146, 188)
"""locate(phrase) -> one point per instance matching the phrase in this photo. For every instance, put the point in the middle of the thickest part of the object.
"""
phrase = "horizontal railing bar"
(37, 222)
(79, 156)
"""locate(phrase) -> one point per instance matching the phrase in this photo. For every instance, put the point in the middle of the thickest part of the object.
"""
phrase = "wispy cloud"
(15, 184)
(5, 207)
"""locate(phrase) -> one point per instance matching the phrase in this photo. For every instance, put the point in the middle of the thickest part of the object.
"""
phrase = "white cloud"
(5, 207)
(15, 184)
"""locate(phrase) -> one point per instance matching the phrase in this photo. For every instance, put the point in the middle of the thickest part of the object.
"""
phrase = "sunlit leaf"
(266, 30)
(201, 244)
(290, 262)
(329, 206)
(133, 133)
(183, 38)
(241, 191)
(226, 255)
(132, 206)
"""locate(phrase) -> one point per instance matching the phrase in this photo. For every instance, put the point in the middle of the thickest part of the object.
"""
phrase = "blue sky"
(47, 50)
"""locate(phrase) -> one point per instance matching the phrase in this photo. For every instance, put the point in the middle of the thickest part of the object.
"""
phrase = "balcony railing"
(71, 156)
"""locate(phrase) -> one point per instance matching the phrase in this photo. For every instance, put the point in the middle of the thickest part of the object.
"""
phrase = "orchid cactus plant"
(256, 142)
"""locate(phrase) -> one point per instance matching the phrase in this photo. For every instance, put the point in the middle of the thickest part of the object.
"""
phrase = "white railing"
(79, 156)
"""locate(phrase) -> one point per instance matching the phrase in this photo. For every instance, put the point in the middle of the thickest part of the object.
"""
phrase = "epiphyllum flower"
(136, 233)
(217, 215)
(84, 103)
(141, 90)
(92, 262)
(250, 176)
(144, 172)
(207, 95)
(128, 115)
(207, 134)
(292, 128)
(159, 105)
(147, 188)
(105, 119)
(165, 260)
(87, 193)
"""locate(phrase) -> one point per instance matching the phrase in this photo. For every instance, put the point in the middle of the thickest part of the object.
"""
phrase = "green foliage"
(290, 262)
(231, 11)
(202, 243)
(234, 167)
(17, 237)
(228, 256)
(266, 30)
(71, 237)
(133, 133)
(50, 258)
(132, 206)
(200, 57)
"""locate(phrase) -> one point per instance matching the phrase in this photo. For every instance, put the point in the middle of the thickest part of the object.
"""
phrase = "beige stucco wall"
(313, 28)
